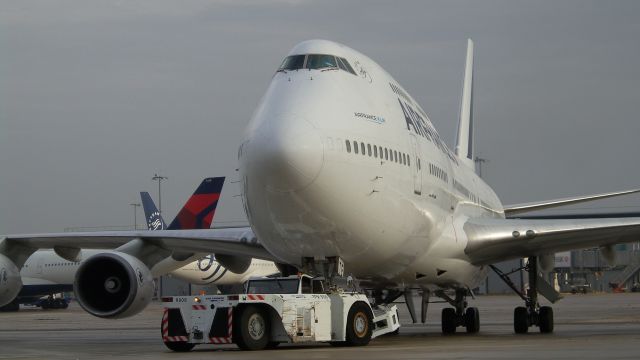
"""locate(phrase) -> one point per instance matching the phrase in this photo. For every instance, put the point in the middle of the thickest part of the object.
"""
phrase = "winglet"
(198, 211)
(464, 139)
(151, 213)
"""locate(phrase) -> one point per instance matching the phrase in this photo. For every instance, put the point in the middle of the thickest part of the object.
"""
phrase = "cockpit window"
(293, 62)
(315, 61)
(321, 61)
(344, 65)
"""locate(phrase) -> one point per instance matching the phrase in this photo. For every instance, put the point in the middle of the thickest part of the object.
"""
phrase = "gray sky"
(97, 96)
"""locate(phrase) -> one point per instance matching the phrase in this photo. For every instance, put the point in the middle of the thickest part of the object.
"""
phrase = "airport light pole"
(159, 179)
(135, 215)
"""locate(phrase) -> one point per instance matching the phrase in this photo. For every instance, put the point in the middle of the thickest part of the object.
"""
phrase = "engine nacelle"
(547, 262)
(113, 285)
(235, 264)
(10, 280)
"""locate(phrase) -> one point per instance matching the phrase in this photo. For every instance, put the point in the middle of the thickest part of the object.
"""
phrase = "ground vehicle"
(290, 309)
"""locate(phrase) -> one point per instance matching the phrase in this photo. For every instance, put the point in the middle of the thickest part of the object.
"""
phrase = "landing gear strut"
(460, 314)
(532, 314)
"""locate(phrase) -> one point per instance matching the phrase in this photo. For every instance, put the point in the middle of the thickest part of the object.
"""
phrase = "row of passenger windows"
(62, 264)
(439, 173)
(315, 61)
(378, 152)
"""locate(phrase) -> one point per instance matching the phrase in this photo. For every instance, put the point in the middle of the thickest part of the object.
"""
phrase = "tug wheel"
(253, 330)
(359, 325)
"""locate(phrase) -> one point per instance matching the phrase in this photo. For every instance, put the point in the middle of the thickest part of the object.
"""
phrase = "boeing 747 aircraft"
(340, 165)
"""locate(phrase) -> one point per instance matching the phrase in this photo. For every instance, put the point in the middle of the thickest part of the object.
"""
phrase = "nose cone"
(286, 153)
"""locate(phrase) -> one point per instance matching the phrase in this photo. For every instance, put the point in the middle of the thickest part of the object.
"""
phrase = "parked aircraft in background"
(205, 271)
(46, 273)
(341, 166)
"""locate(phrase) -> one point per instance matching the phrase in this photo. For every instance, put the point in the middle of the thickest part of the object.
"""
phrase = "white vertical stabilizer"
(464, 139)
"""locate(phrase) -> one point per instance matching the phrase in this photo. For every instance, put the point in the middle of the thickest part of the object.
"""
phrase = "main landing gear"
(460, 314)
(532, 314)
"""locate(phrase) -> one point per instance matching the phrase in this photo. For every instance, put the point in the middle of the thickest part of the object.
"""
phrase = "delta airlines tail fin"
(464, 139)
(198, 212)
(151, 213)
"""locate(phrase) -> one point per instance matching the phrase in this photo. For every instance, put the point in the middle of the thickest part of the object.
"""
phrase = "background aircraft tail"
(198, 212)
(151, 213)
(464, 139)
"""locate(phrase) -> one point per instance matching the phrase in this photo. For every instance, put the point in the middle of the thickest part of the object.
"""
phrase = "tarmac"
(592, 326)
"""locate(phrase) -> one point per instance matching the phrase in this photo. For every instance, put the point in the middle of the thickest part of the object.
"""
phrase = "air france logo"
(373, 118)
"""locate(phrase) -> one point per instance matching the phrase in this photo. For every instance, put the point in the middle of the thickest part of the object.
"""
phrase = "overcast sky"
(97, 96)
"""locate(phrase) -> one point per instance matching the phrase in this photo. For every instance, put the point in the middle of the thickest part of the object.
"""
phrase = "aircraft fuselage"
(347, 164)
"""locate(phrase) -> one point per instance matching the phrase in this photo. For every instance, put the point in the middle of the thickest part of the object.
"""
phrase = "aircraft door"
(39, 265)
(417, 165)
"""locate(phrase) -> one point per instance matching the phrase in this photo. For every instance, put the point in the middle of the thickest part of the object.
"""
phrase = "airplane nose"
(288, 152)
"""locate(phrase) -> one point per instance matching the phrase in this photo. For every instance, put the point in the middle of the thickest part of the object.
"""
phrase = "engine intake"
(10, 280)
(113, 285)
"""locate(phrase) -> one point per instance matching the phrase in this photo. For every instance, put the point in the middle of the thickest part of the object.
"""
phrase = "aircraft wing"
(495, 240)
(229, 241)
(511, 210)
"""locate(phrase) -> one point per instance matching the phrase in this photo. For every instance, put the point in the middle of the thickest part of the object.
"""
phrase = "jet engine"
(235, 264)
(113, 285)
(547, 262)
(10, 280)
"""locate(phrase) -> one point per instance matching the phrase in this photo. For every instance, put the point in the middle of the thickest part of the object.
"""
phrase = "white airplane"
(340, 165)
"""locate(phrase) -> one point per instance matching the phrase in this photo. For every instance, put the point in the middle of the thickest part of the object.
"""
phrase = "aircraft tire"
(472, 320)
(449, 323)
(521, 320)
(252, 329)
(546, 319)
(359, 325)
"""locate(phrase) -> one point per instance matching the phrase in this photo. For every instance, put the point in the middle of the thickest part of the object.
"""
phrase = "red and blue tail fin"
(198, 212)
(151, 213)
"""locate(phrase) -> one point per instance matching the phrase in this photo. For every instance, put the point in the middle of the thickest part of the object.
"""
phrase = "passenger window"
(348, 146)
(362, 148)
(408, 160)
(355, 147)
(293, 62)
(404, 159)
(375, 151)
(386, 154)
(369, 149)
(321, 61)
(395, 155)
